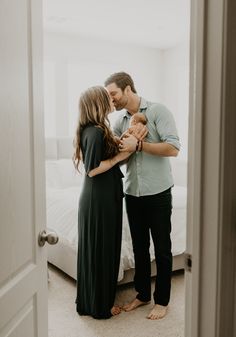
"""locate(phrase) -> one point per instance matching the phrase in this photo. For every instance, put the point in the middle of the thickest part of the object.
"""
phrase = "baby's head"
(138, 118)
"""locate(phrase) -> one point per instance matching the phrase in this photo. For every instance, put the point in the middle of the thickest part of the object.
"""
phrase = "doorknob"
(50, 237)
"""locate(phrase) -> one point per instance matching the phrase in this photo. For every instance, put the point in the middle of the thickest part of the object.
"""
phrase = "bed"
(63, 186)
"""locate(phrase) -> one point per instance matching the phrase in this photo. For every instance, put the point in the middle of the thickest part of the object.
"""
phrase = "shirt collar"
(143, 106)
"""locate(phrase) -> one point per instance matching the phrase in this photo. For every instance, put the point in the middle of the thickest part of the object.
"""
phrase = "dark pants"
(147, 214)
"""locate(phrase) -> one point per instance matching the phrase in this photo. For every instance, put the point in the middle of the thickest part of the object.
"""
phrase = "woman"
(100, 206)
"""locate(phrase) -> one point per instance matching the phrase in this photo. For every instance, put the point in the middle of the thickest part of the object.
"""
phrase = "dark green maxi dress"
(100, 229)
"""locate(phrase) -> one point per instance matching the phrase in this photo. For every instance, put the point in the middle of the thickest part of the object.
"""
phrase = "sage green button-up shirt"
(148, 174)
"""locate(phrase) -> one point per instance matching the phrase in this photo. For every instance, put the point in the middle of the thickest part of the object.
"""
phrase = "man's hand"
(140, 131)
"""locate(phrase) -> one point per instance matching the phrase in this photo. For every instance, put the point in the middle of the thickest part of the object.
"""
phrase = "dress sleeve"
(93, 148)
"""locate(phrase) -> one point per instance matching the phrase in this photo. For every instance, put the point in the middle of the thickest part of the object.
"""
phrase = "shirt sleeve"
(93, 148)
(166, 128)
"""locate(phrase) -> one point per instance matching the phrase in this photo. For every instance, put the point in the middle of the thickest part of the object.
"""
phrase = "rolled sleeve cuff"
(174, 141)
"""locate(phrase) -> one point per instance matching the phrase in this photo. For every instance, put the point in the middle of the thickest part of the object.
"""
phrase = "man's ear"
(127, 89)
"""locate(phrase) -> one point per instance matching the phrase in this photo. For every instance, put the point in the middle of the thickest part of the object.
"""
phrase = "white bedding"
(62, 194)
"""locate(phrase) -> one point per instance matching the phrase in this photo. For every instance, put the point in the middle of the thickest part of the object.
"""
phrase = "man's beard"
(121, 105)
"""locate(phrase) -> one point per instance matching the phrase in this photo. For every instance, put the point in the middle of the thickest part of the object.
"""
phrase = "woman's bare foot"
(157, 312)
(115, 310)
(133, 305)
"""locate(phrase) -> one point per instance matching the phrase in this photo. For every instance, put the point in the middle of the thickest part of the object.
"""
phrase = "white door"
(23, 273)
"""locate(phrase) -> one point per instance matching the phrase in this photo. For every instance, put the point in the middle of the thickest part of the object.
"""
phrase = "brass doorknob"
(50, 237)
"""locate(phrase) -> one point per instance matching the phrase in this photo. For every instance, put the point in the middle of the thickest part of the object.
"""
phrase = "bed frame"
(65, 258)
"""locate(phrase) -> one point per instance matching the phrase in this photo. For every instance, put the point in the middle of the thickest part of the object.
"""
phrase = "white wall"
(175, 93)
(73, 63)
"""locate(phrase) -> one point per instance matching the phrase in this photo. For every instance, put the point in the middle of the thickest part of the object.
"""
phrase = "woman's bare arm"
(107, 164)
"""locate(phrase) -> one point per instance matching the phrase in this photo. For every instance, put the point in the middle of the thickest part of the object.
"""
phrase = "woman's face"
(112, 107)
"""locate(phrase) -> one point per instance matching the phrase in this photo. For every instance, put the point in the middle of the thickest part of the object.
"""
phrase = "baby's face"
(133, 120)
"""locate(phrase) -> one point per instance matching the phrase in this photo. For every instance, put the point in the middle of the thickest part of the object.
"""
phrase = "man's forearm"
(160, 149)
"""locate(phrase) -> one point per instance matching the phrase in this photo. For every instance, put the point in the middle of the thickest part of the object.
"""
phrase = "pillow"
(62, 174)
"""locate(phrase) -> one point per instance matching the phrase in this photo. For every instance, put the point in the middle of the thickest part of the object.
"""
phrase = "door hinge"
(188, 262)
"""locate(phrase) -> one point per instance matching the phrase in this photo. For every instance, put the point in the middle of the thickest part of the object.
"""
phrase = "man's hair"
(121, 79)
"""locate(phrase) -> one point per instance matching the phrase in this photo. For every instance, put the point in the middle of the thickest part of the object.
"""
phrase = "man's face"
(119, 98)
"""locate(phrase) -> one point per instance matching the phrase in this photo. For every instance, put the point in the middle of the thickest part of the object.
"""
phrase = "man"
(147, 190)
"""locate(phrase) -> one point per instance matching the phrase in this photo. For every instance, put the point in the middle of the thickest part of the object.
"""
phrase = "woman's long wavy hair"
(94, 106)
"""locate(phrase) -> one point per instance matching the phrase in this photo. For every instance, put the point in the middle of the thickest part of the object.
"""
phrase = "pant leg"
(160, 224)
(140, 235)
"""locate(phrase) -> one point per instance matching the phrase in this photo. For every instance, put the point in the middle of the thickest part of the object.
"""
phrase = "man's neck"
(134, 104)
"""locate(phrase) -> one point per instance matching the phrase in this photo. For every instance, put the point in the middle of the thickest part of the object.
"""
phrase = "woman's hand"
(128, 144)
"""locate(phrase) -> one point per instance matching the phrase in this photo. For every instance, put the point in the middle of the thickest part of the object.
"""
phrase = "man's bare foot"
(157, 312)
(115, 310)
(133, 305)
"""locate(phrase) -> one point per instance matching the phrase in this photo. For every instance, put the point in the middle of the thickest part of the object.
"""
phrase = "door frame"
(211, 208)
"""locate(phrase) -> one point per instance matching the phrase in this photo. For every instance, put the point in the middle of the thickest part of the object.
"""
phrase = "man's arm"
(169, 145)
(160, 149)
(166, 129)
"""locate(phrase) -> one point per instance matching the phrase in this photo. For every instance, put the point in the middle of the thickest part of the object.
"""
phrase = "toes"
(115, 310)
(156, 313)
(153, 317)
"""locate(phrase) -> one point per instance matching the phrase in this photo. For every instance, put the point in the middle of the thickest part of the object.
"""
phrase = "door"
(23, 273)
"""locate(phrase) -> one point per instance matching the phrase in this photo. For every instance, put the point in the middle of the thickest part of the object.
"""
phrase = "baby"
(134, 120)
(137, 123)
